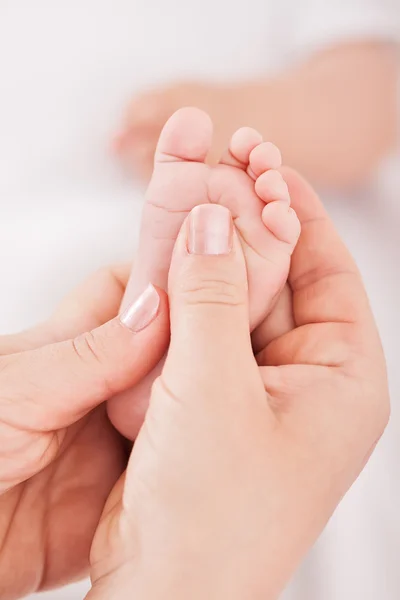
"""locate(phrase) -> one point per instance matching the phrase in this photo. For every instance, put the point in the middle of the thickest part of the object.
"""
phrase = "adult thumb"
(52, 387)
(208, 295)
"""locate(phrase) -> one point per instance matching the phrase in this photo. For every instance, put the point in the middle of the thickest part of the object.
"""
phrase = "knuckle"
(213, 291)
(90, 351)
(87, 348)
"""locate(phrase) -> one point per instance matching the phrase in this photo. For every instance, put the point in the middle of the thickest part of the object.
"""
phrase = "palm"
(60, 507)
(322, 373)
(54, 514)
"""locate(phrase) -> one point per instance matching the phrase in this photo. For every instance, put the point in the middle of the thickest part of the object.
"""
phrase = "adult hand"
(59, 456)
(240, 463)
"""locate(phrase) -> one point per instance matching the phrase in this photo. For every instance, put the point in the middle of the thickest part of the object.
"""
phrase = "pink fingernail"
(210, 230)
(142, 311)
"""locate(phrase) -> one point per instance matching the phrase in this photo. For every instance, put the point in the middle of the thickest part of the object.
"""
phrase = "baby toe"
(243, 142)
(271, 186)
(282, 222)
(264, 157)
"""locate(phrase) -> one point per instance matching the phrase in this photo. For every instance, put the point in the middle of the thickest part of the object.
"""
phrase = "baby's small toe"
(243, 142)
(271, 186)
(282, 222)
(264, 157)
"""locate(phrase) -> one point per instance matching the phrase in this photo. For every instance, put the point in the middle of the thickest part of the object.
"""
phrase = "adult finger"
(333, 320)
(90, 305)
(55, 385)
(210, 339)
(93, 303)
(326, 284)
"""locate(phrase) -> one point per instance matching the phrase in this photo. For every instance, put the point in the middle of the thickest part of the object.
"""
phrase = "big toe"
(187, 136)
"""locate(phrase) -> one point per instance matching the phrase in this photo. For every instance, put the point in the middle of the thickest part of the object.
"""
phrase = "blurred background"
(85, 87)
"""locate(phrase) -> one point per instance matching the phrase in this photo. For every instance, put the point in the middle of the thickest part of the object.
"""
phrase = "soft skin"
(242, 460)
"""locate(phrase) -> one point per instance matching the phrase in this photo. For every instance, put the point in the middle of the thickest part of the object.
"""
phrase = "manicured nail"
(142, 311)
(210, 230)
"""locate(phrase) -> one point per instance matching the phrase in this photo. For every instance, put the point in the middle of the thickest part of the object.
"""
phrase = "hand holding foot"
(59, 455)
(248, 183)
(240, 463)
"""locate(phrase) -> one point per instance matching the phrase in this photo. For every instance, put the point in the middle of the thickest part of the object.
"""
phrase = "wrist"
(127, 583)
(186, 579)
(184, 568)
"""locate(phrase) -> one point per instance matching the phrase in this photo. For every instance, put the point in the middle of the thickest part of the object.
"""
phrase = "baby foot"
(248, 183)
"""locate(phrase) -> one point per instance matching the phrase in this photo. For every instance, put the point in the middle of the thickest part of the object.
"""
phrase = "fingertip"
(210, 230)
(144, 309)
(208, 267)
